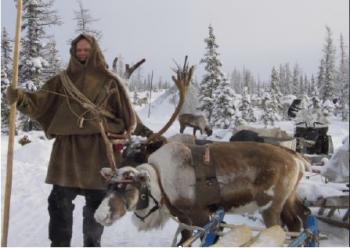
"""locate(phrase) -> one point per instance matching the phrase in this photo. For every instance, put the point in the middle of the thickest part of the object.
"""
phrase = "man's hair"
(82, 38)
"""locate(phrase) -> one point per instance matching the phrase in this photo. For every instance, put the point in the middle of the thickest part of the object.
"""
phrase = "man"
(79, 151)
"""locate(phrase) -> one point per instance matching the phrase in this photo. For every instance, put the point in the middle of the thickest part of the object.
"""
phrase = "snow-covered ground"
(29, 216)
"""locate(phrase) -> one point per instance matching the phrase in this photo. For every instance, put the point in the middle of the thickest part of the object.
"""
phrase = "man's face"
(83, 50)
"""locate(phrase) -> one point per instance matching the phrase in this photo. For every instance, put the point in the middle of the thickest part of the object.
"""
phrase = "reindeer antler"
(129, 70)
(182, 81)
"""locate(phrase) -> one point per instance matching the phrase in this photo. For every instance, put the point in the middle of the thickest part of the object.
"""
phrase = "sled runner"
(242, 235)
(333, 210)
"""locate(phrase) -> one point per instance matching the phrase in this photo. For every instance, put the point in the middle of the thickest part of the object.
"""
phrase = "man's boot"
(61, 216)
(91, 229)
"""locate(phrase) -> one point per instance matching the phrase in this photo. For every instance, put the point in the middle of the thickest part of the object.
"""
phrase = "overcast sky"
(257, 34)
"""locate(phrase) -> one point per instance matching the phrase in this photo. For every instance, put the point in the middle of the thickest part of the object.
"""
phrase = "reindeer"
(197, 122)
(251, 176)
(248, 176)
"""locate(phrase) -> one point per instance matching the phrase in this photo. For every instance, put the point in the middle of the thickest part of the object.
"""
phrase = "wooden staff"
(12, 129)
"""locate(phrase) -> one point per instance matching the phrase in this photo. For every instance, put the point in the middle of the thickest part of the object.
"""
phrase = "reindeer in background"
(197, 122)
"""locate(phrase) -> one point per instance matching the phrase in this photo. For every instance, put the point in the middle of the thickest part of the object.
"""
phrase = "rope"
(72, 92)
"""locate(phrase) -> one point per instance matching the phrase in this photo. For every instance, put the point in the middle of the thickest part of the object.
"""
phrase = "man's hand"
(12, 95)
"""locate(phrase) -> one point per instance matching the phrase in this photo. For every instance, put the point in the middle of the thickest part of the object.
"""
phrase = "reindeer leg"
(200, 218)
(271, 216)
(185, 234)
(182, 128)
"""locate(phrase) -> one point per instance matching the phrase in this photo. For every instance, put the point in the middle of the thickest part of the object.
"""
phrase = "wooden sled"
(242, 235)
(328, 208)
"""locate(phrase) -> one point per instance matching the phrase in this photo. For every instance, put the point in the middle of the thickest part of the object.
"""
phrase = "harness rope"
(100, 114)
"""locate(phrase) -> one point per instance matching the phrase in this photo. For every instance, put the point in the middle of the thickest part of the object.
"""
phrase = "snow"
(337, 168)
(29, 215)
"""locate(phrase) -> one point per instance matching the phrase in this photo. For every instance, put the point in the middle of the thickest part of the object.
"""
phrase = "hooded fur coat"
(78, 152)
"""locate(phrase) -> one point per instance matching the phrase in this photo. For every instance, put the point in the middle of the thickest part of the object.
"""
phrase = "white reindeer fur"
(168, 163)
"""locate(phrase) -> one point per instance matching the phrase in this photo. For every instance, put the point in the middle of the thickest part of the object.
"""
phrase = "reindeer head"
(127, 191)
(208, 130)
(137, 152)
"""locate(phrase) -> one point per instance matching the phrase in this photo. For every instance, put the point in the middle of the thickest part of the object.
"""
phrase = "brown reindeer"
(251, 176)
(197, 122)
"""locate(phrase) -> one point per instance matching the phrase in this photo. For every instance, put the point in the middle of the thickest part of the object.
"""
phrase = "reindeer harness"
(207, 188)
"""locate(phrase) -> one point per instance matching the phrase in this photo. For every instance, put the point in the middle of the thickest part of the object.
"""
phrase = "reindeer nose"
(103, 219)
(103, 213)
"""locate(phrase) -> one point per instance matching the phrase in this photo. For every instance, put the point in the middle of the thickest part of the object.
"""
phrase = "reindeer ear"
(107, 173)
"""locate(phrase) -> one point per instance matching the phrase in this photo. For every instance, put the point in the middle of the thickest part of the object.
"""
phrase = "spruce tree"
(53, 60)
(245, 107)
(268, 115)
(224, 109)
(212, 77)
(295, 80)
(288, 79)
(328, 86)
(343, 81)
(236, 80)
(84, 22)
(38, 16)
(6, 70)
(5, 110)
(271, 104)
(275, 94)
(6, 53)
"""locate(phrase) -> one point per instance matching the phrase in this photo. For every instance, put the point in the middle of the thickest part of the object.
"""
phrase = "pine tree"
(295, 80)
(5, 110)
(6, 64)
(248, 80)
(276, 106)
(245, 107)
(301, 86)
(236, 80)
(282, 77)
(271, 104)
(212, 78)
(288, 79)
(328, 86)
(306, 84)
(343, 81)
(224, 108)
(37, 18)
(268, 115)
(321, 74)
(53, 60)
(85, 21)
(6, 53)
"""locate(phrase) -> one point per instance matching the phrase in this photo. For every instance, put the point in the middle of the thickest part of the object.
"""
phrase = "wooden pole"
(12, 130)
